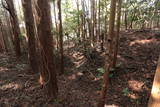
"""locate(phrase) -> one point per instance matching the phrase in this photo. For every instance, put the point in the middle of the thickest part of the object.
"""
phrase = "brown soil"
(130, 82)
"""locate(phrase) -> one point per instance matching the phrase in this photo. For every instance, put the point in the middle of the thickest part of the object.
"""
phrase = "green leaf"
(125, 91)
(112, 69)
(111, 75)
(101, 70)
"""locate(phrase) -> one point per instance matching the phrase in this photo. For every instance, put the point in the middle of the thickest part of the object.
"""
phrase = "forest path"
(130, 82)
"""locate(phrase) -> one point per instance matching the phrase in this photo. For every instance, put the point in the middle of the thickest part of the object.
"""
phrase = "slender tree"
(60, 29)
(78, 20)
(31, 33)
(117, 33)
(56, 24)
(99, 20)
(83, 22)
(3, 46)
(109, 54)
(125, 20)
(4, 28)
(92, 21)
(15, 25)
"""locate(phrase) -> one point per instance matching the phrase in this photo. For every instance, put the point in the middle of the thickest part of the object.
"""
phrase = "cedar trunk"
(31, 33)
(109, 54)
(48, 71)
(117, 33)
(15, 26)
(60, 29)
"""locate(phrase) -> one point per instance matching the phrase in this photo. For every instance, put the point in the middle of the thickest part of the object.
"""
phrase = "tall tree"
(92, 21)
(99, 20)
(15, 25)
(31, 33)
(78, 20)
(48, 70)
(83, 22)
(125, 19)
(117, 33)
(60, 29)
(3, 46)
(4, 28)
(109, 54)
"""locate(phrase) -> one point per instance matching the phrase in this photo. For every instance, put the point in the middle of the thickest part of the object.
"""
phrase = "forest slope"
(130, 84)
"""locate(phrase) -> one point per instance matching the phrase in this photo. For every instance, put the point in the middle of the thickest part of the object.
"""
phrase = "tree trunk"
(56, 25)
(60, 29)
(6, 37)
(83, 24)
(109, 54)
(2, 41)
(15, 27)
(48, 70)
(31, 33)
(125, 20)
(117, 33)
(78, 21)
(105, 22)
(99, 21)
(92, 21)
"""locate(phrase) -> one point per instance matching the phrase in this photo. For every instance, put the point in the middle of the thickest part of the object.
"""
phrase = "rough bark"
(109, 54)
(48, 70)
(15, 26)
(31, 33)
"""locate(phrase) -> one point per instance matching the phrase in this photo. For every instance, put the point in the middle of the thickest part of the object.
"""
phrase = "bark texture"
(31, 33)
(48, 71)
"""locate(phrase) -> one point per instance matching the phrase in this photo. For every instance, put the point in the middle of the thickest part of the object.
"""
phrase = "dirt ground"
(130, 82)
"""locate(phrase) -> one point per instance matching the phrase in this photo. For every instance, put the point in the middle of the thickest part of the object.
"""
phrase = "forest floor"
(130, 82)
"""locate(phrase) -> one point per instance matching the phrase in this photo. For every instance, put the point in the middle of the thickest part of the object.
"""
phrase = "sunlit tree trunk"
(92, 22)
(78, 21)
(105, 22)
(55, 15)
(109, 54)
(83, 24)
(15, 26)
(56, 25)
(31, 33)
(117, 33)
(48, 71)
